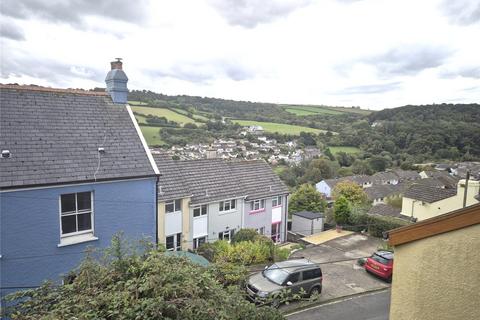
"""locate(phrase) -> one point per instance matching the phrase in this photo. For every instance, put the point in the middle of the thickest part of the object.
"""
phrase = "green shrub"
(245, 235)
(341, 211)
(151, 285)
(230, 273)
(378, 224)
(262, 250)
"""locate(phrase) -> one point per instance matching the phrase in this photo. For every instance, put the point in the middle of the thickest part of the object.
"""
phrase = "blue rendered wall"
(30, 228)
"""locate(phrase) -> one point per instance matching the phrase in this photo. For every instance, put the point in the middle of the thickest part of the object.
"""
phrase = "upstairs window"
(200, 211)
(76, 213)
(257, 205)
(228, 205)
(277, 201)
(173, 206)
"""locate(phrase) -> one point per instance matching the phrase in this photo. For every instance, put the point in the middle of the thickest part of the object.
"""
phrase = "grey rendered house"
(207, 200)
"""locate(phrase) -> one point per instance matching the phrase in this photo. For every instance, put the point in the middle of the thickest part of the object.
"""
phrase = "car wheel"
(389, 279)
(315, 291)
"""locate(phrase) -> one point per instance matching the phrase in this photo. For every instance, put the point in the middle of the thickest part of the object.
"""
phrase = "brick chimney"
(116, 81)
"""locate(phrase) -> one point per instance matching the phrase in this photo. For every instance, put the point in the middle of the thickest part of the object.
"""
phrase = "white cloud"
(371, 53)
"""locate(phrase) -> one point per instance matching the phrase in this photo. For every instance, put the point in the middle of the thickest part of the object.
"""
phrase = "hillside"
(431, 129)
(409, 134)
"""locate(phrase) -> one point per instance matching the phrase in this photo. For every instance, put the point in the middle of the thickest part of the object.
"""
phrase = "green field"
(278, 127)
(309, 110)
(185, 113)
(300, 112)
(152, 135)
(303, 110)
(137, 103)
(350, 150)
(162, 112)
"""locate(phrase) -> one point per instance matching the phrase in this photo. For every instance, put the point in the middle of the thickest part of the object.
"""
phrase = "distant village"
(241, 148)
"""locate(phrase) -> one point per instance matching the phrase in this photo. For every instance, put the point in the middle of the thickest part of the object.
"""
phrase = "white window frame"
(261, 231)
(175, 209)
(177, 242)
(276, 235)
(222, 205)
(79, 236)
(276, 201)
(196, 243)
(226, 232)
(202, 212)
(261, 205)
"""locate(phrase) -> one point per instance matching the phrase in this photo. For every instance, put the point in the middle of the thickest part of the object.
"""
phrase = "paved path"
(369, 306)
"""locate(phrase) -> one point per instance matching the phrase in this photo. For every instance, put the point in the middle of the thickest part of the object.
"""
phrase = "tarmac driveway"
(338, 258)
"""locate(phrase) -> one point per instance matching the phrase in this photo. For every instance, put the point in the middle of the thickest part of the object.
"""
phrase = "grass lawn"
(278, 127)
(279, 169)
(162, 112)
(351, 150)
(152, 135)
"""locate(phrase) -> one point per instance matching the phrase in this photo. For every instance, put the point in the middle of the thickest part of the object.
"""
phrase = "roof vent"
(206, 193)
(5, 154)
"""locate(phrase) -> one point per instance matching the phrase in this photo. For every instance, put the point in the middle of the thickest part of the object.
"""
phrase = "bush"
(375, 225)
(261, 250)
(245, 235)
(341, 211)
(229, 273)
(151, 285)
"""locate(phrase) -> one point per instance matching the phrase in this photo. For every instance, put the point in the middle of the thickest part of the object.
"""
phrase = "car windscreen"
(275, 274)
(380, 259)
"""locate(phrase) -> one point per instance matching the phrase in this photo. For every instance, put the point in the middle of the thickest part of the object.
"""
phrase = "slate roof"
(308, 215)
(431, 182)
(53, 136)
(428, 194)
(359, 179)
(407, 174)
(387, 211)
(382, 191)
(209, 180)
(384, 176)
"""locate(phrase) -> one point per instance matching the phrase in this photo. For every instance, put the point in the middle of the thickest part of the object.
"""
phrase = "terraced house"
(74, 170)
(206, 200)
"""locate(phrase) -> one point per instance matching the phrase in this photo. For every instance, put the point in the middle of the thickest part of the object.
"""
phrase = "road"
(369, 306)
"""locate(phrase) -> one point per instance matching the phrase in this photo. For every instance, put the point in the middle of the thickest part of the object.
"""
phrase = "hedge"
(374, 224)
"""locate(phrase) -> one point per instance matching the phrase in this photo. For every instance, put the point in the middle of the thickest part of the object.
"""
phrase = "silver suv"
(292, 275)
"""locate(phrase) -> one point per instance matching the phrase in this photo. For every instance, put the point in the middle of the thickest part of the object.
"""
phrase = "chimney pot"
(116, 64)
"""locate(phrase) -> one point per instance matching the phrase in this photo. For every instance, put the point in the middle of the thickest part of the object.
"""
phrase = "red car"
(380, 264)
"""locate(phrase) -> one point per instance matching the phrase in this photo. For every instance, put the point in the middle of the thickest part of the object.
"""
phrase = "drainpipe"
(285, 224)
(413, 203)
(156, 211)
(466, 188)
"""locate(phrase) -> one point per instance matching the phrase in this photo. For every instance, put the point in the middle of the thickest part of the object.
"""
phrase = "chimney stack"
(116, 81)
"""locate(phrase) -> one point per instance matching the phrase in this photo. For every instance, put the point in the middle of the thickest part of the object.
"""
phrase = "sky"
(370, 53)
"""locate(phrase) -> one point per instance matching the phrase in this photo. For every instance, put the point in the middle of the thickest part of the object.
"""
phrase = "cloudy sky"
(370, 53)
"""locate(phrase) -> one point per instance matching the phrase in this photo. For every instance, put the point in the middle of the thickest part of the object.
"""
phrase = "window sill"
(256, 211)
(76, 239)
(227, 211)
(279, 206)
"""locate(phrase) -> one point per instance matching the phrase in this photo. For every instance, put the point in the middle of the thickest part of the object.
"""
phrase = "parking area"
(342, 276)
